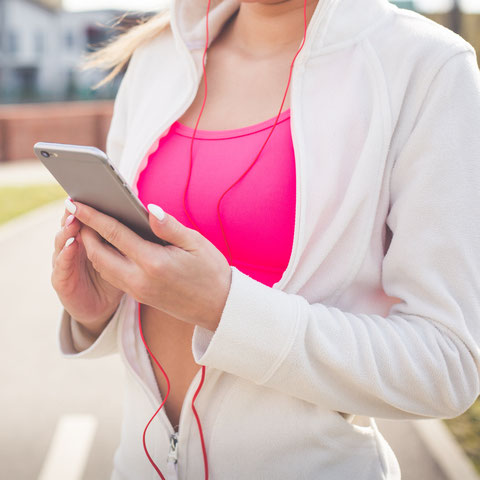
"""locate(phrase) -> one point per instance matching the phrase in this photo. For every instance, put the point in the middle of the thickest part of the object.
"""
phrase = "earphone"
(224, 236)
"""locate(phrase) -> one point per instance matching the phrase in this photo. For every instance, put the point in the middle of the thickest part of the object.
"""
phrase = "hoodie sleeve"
(72, 339)
(422, 360)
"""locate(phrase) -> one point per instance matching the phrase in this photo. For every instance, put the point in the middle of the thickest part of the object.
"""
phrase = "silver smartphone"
(88, 176)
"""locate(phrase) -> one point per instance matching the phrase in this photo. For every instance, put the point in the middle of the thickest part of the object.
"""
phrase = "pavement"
(40, 389)
(65, 414)
(24, 172)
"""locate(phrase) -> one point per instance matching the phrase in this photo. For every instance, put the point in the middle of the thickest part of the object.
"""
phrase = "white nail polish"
(156, 210)
(70, 206)
(69, 241)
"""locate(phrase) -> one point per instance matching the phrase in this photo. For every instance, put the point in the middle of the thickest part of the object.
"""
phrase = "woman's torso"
(253, 90)
(343, 122)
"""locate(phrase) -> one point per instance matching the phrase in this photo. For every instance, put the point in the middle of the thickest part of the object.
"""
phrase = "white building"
(41, 48)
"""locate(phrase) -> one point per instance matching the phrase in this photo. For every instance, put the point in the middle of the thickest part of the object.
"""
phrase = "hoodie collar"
(334, 23)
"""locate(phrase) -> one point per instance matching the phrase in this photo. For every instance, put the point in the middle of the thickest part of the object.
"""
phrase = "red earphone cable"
(202, 440)
(224, 236)
(164, 400)
(196, 125)
(163, 403)
(258, 155)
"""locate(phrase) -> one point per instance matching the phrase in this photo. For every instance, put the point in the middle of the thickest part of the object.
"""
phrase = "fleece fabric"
(378, 311)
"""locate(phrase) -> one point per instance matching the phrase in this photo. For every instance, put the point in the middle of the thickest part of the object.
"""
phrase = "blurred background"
(60, 417)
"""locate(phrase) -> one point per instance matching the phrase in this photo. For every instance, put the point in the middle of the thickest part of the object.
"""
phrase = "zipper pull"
(172, 454)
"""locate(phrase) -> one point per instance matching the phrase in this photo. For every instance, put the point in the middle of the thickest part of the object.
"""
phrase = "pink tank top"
(258, 213)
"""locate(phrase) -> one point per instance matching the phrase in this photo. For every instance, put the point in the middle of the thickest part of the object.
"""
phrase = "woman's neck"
(265, 29)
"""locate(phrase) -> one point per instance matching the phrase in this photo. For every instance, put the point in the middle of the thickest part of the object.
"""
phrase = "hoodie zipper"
(173, 454)
(172, 458)
(174, 437)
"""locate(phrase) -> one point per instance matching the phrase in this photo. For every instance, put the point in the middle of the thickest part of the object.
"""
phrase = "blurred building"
(40, 49)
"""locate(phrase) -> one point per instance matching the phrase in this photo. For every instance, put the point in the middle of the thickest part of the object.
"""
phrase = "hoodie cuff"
(80, 337)
(73, 341)
(255, 333)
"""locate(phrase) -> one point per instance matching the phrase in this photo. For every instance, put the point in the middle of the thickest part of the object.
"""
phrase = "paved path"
(416, 461)
(24, 173)
(42, 393)
(39, 387)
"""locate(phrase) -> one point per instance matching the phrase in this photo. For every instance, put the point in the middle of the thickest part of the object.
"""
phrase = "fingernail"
(69, 220)
(70, 206)
(69, 241)
(156, 211)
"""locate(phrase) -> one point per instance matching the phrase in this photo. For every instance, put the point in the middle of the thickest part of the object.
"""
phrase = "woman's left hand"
(188, 280)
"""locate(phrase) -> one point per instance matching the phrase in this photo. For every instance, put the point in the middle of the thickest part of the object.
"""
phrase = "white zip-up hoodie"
(378, 311)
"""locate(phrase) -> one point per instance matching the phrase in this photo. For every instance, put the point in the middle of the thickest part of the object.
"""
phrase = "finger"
(64, 217)
(115, 232)
(70, 229)
(110, 263)
(66, 214)
(63, 262)
(168, 228)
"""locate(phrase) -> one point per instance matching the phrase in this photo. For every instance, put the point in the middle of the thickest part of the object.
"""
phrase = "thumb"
(168, 228)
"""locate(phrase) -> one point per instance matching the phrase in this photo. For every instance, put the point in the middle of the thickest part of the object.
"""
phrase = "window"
(39, 43)
(69, 40)
(12, 43)
(95, 36)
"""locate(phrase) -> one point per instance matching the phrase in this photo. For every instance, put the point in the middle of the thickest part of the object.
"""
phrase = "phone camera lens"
(45, 154)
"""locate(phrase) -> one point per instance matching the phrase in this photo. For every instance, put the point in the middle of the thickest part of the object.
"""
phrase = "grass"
(15, 201)
(466, 429)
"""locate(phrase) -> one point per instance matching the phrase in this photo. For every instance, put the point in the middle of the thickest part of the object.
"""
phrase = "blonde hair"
(116, 54)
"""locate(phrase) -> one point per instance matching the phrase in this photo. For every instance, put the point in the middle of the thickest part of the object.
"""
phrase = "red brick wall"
(80, 123)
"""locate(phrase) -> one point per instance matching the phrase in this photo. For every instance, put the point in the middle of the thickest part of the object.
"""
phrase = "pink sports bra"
(258, 213)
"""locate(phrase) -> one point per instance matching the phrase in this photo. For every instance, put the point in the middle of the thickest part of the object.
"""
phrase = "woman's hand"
(86, 296)
(188, 280)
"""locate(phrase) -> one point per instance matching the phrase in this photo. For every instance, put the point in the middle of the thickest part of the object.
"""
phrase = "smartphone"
(88, 176)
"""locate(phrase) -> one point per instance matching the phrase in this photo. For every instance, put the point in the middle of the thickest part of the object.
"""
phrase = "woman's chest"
(240, 91)
(238, 195)
(340, 126)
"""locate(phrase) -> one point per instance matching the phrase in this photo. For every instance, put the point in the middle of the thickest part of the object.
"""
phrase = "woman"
(338, 278)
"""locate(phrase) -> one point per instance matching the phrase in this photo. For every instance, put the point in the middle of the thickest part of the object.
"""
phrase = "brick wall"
(80, 123)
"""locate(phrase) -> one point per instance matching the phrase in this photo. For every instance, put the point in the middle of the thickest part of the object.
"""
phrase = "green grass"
(466, 429)
(15, 201)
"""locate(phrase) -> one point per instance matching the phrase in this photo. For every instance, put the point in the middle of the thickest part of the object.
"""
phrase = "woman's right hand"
(85, 295)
